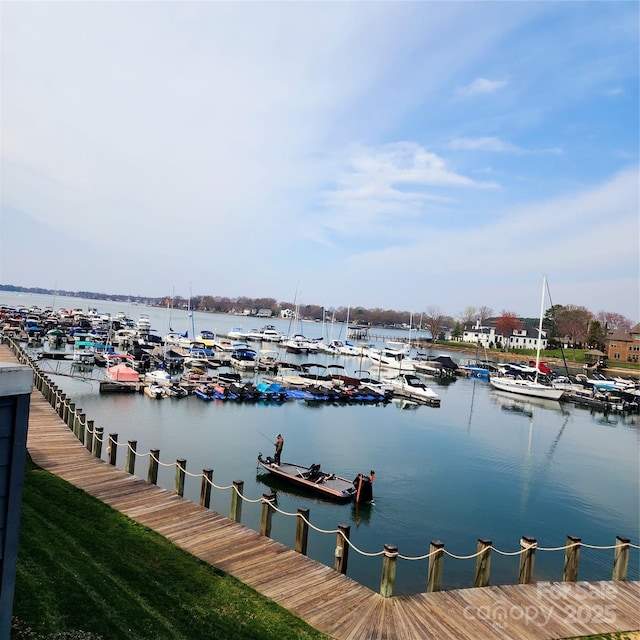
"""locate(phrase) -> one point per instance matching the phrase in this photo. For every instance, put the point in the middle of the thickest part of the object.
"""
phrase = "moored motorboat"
(411, 386)
(155, 391)
(328, 485)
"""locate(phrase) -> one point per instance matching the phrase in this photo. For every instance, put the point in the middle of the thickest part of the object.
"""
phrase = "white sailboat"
(526, 386)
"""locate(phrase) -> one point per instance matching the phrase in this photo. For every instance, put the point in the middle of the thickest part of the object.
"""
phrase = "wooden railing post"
(389, 562)
(152, 473)
(69, 414)
(483, 563)
(434, 580)
(302, 531)
(267, 512)
(527, 560)
(236, 500)
(130, 463)
(89, 435)
(205, 488)
(571, 559)
(621, 558)
(61, 404)
(181, 467)
(97, 442)
(342, 549)
(113, 448)
(80, 425)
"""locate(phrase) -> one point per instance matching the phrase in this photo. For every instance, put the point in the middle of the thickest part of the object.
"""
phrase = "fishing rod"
(265, 437)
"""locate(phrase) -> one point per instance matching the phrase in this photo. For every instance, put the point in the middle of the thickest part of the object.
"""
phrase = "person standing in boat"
(279, 444)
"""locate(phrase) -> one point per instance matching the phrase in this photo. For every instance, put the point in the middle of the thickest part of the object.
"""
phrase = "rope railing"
(82, 428)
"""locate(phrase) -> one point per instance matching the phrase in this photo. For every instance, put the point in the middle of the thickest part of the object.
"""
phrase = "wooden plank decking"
(331, 602)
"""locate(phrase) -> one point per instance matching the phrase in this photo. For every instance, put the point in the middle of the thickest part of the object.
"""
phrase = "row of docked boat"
(275, 392)
(396, 368)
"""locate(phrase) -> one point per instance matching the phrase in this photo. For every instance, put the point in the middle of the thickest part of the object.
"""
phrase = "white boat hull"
(526, 388)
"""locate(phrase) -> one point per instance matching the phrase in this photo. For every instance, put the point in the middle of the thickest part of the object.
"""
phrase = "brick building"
(623, 345)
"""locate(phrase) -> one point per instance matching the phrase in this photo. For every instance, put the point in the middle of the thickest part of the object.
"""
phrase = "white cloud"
(486, 143)
(481, 86)
(384, 185)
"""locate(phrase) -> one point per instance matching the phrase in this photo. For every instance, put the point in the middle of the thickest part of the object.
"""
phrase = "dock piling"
(571, 559)
(436, 557)
(483, 563)
(205, 488)
(342, 549)
(267, 512)
(152, 473)
(527, 559)
(302, 531)
(113, 448)
(130, 464)
(236, 500)
(389, 565)
(621, 558)
(181, 467)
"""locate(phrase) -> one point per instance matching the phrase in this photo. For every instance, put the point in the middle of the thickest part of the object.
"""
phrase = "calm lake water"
(482, 465)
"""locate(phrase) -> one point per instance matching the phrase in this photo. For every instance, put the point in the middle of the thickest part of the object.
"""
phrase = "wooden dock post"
(302, 531)
(89, 436)
(236, 500)
(113, 448)
(389, 562)
(483, 563)
(152, 473)
(97, 442)
(79, 426)
(60, 406)
(205, 488)
(434, 580)
(621, 558)
(70, 414)
(527, 560)
(267, 512)
(130, 463)
(571, 559)
(181, 467)
(342, 549)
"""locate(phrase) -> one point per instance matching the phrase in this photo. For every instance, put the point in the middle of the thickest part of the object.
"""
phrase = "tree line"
(571, 324)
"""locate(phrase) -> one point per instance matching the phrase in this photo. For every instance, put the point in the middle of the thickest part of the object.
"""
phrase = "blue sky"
(402, 156)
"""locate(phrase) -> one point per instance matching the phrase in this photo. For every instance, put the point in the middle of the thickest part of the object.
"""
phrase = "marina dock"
(328, 600)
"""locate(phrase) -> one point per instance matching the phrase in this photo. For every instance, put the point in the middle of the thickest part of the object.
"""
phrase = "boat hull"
(526, 388)
(327, 485)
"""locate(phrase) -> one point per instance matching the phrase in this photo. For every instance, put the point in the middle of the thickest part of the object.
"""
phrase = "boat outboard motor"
(364, 486)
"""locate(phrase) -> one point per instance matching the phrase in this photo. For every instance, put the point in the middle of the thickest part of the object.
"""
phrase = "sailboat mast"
(544, 286)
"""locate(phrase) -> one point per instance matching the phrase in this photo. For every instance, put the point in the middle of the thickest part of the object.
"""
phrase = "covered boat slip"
(315, 480)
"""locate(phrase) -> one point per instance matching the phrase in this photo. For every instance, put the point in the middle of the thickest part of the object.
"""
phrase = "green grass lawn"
(85, 571)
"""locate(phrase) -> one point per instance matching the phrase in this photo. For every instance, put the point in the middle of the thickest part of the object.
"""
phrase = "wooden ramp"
(328, 601)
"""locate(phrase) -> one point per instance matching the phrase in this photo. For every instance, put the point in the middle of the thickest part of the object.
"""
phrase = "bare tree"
(468, 316)
(484, 313)
(573, 323)
(611, 321)
(432, 321)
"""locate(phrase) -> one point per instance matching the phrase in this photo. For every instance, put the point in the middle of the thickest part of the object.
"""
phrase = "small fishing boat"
(328, 485)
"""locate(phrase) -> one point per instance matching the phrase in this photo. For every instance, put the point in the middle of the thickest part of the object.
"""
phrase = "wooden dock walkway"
(329, 601)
